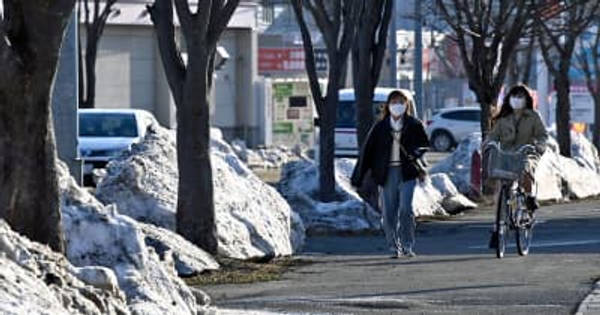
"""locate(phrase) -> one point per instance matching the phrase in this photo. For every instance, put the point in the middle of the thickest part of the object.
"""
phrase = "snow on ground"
(253, 220)
(458, 165)
(558, 177)
(142, 258)
(36, 280)
(271, 157)
(299, 185)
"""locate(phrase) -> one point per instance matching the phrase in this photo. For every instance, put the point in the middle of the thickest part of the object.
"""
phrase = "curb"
(591, 303)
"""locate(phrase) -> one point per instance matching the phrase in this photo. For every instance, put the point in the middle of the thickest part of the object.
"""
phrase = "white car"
(104, 133)
(451, 125)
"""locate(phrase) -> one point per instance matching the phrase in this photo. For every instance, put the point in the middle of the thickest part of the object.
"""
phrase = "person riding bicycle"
(518, 124)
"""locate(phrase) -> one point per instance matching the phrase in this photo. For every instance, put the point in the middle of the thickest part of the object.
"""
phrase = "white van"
(346, 144)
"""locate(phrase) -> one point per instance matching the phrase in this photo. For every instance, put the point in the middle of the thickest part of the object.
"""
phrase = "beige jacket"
(513, 133)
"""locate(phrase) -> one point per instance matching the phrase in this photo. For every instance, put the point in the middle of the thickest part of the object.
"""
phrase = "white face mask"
(517, 102)
(397, 109)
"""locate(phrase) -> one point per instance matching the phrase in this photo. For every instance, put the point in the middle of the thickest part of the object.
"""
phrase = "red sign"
(280, 59)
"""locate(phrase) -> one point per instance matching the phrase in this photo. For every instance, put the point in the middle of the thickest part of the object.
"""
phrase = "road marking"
(546, 244)
(491, 224)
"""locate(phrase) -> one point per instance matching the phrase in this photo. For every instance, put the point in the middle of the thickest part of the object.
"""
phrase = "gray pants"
(398, 218)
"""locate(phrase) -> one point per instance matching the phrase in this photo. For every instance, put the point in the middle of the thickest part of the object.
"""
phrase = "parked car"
(449, 126)
(104, 133)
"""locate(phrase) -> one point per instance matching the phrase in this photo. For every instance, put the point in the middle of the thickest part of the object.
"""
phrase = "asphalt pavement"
(454, 272)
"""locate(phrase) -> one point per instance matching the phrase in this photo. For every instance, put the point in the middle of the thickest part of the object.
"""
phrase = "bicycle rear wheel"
(524, 235)
(501, 222)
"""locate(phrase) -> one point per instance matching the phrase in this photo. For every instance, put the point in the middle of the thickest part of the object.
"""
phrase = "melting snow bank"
(36, 280)
(253, 220)
(143, 258)
(558, 177)
(299, 185)
(272, 157)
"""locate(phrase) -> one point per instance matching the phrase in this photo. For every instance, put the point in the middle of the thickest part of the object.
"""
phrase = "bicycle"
(511, 212)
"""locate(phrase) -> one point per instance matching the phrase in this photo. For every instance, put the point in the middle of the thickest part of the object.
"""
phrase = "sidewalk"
(591, 304)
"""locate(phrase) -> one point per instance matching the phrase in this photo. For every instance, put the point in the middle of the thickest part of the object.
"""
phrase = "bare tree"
(588, 61)
(557, 38)
(93, 32)
(367, 59)
(368, 53)
(487, 34)
(31, 33)
(520, 66)
(190, 86)
(337, 22)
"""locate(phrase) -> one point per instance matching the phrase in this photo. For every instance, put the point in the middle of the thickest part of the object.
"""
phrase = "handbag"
(418, 162)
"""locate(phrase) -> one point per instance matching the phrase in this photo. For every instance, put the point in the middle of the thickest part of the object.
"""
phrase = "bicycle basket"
(503, 165)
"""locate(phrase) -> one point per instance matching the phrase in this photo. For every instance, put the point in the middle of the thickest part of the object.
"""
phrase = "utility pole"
(393, 48)
(418, 68)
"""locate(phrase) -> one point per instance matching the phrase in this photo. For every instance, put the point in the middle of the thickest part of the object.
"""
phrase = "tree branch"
(351, 16)
(379, 49)
(309, 58)
(161, 14)
(184, 14)
(225, 15)
(323, 22)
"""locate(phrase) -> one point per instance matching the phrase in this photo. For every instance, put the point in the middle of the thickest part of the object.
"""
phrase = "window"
(298, 101)
(463, 115)
(346, 113)
(107, 125)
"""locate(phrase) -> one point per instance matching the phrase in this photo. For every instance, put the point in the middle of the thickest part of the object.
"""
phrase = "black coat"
(375, 153)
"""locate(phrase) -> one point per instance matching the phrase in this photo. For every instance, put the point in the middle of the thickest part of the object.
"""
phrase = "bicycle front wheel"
(502, 222)
(524, 234)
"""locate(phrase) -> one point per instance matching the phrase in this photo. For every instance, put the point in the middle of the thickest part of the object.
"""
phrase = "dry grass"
(270, 176)
(234, 271)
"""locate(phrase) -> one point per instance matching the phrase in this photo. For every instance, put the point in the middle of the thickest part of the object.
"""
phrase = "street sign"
(288, 59)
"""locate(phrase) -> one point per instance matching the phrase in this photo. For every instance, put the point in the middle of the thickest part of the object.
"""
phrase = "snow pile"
(299, 185)
(458, 165)
(452, 200)
(558, 177)
(253, 220)
(142, 259)
(271, 157)
(36, 280)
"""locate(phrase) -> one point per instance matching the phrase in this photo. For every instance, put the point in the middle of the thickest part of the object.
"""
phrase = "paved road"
(454, 272)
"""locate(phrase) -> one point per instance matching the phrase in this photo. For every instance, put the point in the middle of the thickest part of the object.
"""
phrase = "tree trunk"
(90, 72)
(29, 186)
(29, 197)
(563, 112)
(195, 207)
(364, 105)
(327, 137)
(596, 131)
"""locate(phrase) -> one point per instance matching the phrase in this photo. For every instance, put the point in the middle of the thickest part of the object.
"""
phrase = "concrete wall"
(236, 102)
(126, 68)
(130, 75)
(65, 101)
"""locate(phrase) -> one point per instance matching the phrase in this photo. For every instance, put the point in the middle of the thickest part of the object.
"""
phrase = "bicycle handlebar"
(521, 149)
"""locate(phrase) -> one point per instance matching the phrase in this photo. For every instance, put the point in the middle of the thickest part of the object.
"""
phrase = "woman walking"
(390, 152)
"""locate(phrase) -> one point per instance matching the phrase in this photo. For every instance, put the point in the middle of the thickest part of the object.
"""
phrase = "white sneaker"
(409, 253)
